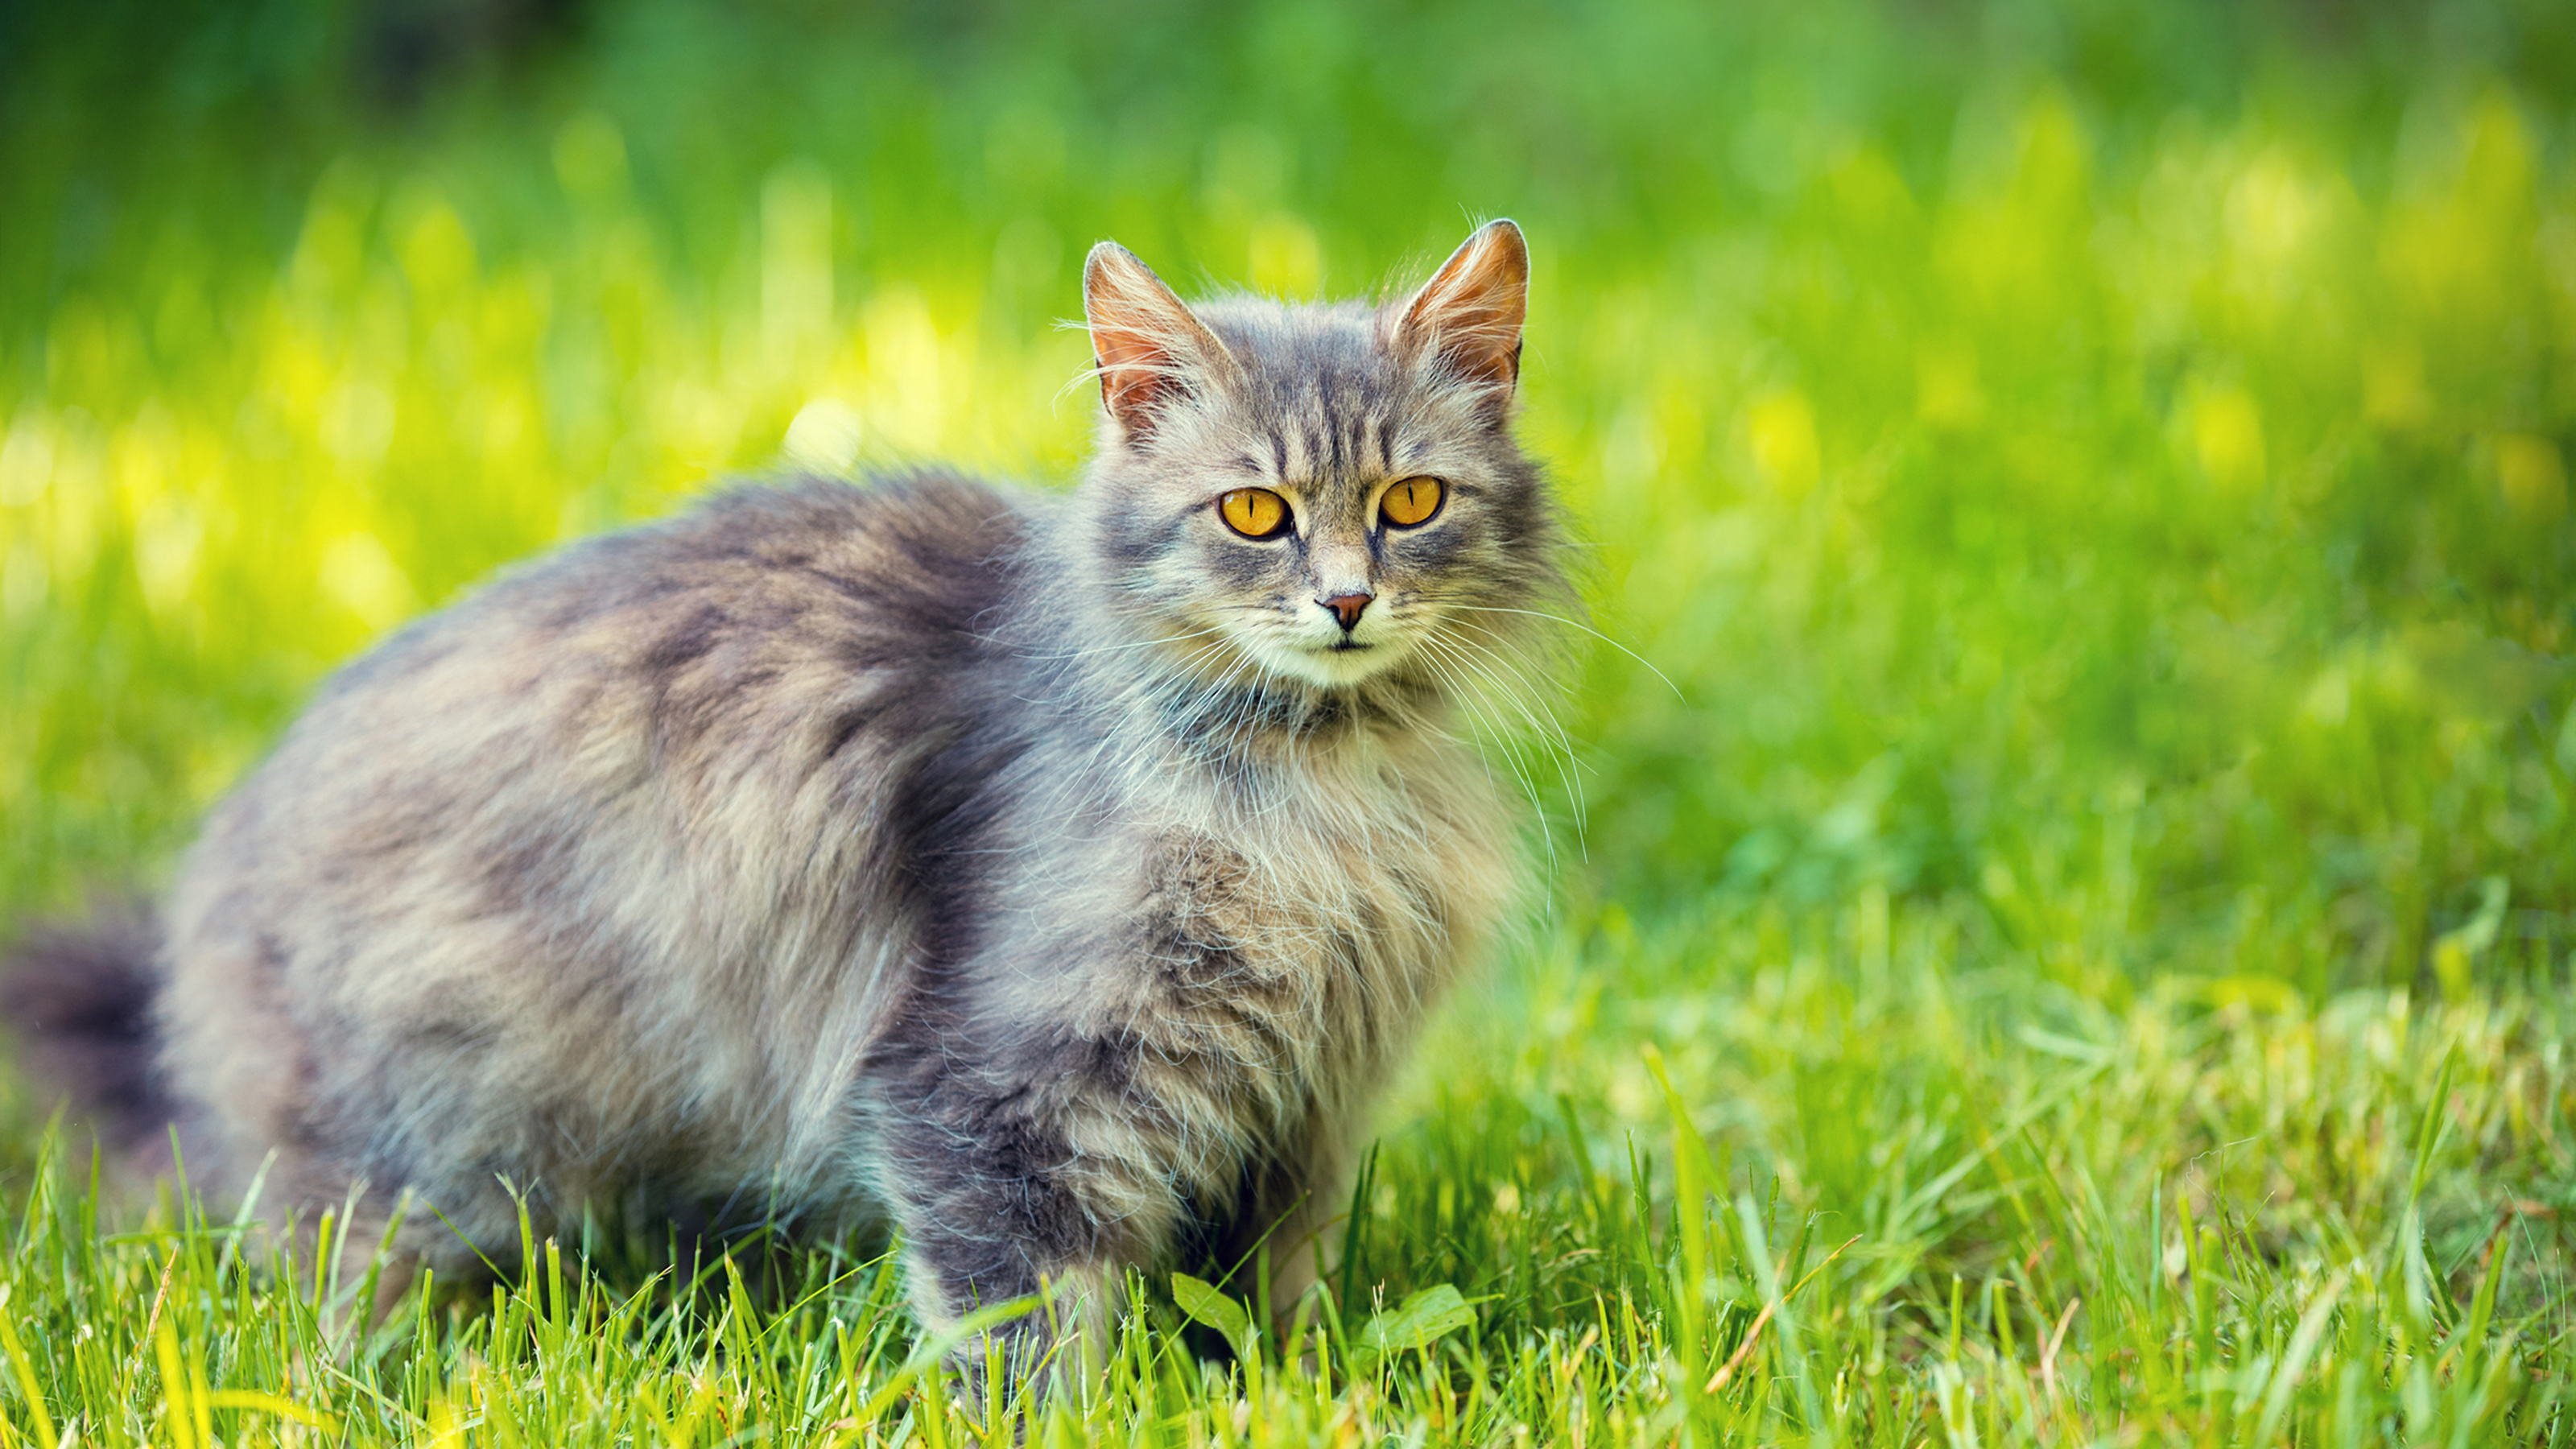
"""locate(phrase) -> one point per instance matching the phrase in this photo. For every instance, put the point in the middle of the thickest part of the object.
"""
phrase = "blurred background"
(2098, 471)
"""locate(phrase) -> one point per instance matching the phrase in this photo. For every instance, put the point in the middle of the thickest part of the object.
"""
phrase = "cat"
(1056, 876)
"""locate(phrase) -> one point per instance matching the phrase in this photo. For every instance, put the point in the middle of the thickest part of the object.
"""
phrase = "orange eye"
(1412, 501)
(1254, 512)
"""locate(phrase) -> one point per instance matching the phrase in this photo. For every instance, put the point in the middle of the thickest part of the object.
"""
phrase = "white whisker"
(1586, 628)
(1541, 719)
(1132, 644)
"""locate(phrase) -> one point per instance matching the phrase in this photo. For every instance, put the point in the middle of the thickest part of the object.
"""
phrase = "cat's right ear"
(1149, 349)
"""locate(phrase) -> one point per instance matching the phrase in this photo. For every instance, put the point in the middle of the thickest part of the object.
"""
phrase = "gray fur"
(1030, 869)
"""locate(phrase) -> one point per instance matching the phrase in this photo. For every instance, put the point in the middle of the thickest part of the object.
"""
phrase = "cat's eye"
(1254, 512)
(1412, 501)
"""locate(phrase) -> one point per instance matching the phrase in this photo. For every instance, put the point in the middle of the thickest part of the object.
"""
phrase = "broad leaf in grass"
(1204, 1304)
(1426, 1316)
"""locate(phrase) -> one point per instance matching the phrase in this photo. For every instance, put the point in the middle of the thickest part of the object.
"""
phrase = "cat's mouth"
(1321, 663)
(1290, 646)
(1339, 663)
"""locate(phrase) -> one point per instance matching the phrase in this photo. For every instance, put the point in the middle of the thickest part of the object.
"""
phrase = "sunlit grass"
(2109, 851)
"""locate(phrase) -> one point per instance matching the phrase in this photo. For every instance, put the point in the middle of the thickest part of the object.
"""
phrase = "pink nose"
(1346, 607)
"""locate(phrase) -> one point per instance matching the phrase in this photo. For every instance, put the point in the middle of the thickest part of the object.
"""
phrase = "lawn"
(2063, 879)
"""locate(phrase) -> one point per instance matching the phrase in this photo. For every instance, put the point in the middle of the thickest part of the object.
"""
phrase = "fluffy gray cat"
(1056, 876)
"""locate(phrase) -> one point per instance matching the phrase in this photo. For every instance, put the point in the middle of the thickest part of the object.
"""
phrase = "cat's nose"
(1346, 607)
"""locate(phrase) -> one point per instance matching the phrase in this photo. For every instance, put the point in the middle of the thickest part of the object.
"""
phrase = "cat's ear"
(1148, 347)
(1469, 314)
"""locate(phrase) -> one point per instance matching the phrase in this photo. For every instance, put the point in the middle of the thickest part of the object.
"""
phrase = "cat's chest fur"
(1326, 899)
(1228, 956)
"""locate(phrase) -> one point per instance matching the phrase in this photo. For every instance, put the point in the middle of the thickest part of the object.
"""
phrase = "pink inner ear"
(1141, 335)
(1472, 312)
(1133, 371)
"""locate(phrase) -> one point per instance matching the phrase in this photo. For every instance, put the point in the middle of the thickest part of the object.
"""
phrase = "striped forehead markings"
(1334, 441)
(1355, 428)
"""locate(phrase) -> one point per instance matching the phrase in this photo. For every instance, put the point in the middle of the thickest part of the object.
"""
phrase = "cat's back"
(765, 635)
(663, 776)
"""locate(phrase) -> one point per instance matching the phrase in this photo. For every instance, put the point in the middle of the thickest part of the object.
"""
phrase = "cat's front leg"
(1004, 1190)
(1290, 1201)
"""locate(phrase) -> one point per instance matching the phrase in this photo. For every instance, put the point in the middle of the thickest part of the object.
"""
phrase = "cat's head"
(1321, 497)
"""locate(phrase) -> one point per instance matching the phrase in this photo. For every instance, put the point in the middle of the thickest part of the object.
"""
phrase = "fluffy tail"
(79, 1002)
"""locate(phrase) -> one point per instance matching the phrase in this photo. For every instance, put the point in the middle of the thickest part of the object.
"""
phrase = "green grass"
(2101, 895)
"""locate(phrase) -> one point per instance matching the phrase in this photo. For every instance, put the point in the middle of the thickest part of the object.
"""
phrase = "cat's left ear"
(1149, 349)
(1469, 314)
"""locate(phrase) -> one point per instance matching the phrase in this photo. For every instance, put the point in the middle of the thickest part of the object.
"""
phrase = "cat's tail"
(78, 1000)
